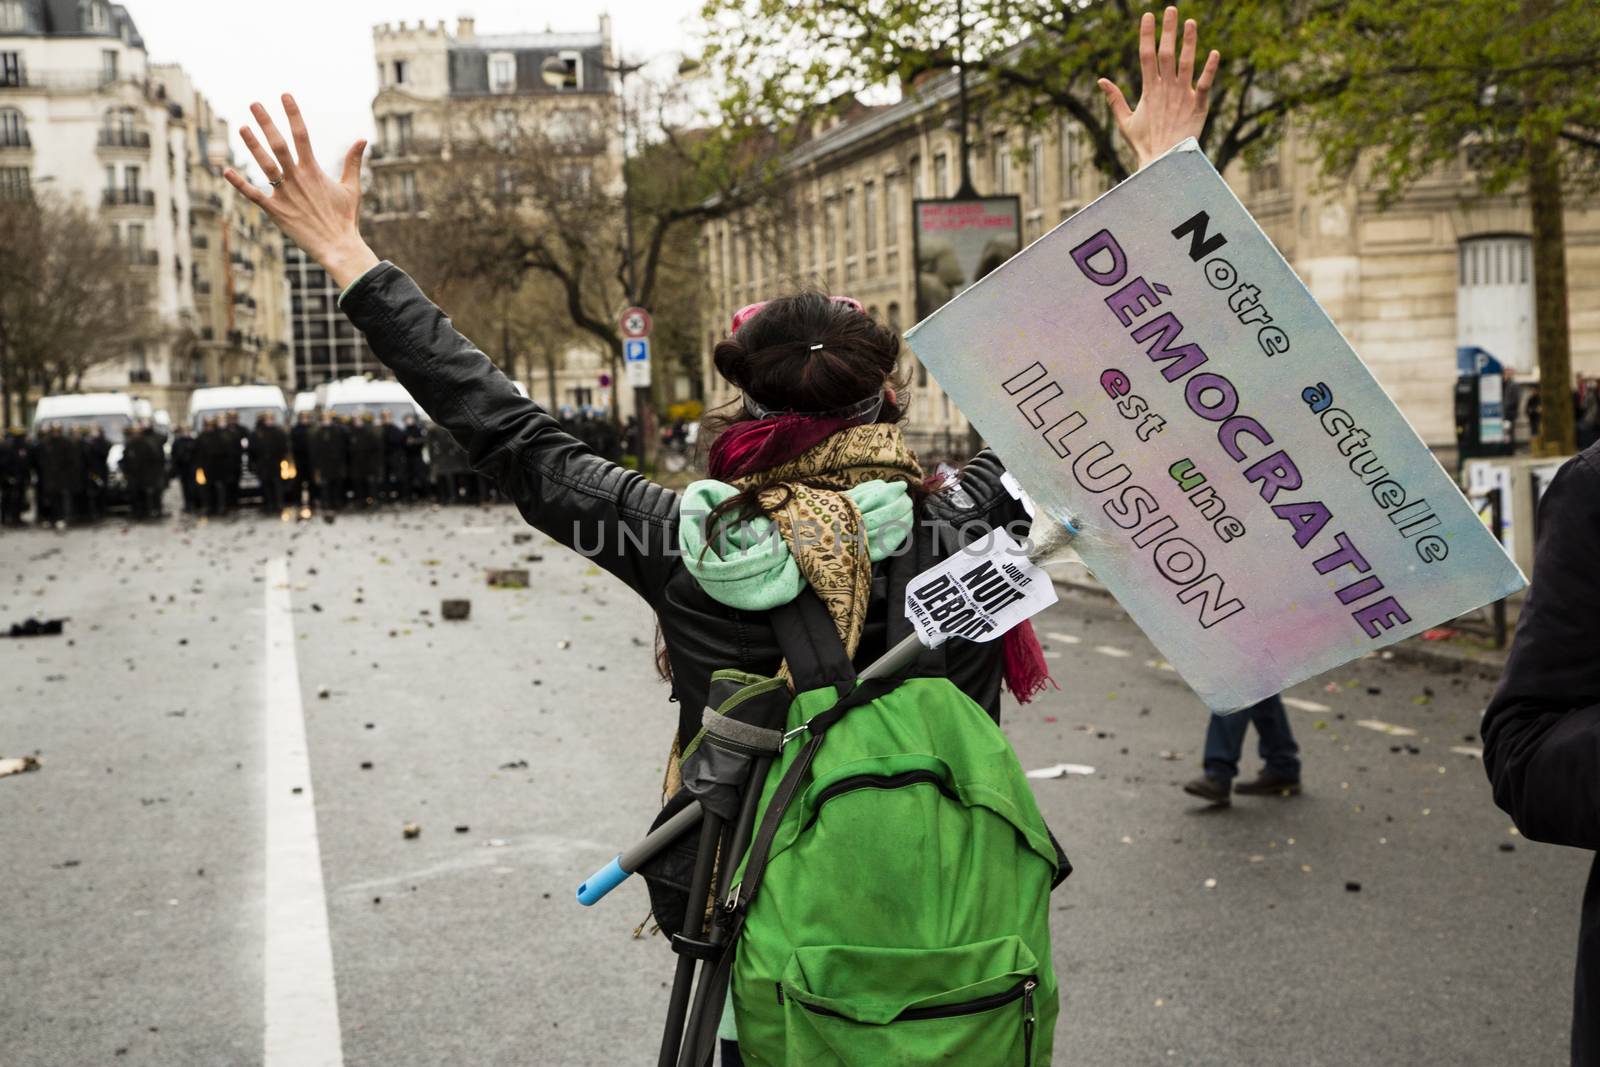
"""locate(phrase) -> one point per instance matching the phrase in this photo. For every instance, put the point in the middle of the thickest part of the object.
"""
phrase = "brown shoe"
(1269, 785)
(1207, 788)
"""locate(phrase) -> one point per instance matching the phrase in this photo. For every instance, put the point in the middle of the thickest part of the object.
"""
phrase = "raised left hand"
(317, 212)
(1172, 104)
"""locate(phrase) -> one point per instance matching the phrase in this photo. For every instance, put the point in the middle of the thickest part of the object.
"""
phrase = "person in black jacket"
(330, 461)
(144, 467)
(300, 446)
(233, 467)
(16, 471)
(805, 353)
(415, 478)
(269, 447)
(96, 470)
(185, 458)
(1541, 733)
(366, 460)
(60, 473)
(394, 456)
(215, 449)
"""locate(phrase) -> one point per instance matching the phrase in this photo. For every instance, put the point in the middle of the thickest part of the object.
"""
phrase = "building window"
(1266, 177)
(1035, 174)
(894, 316)
(941, 175)
(505, 127)
(1494, 299)
(575, 180)
(94, 15)
(402, 71)
(573, 62)
(1070, 162)
(13, 134)
(402, 134)
(130, 182)
(135, 237)
(1000, 166)
(408, 191)
(12, 16)
(849, 223)
(891, 212)
(13, 183)
(108, 66)
(505, 180)
(10, 68)
(914, 168)
(502, 72)
(869, 206)
(830, 243)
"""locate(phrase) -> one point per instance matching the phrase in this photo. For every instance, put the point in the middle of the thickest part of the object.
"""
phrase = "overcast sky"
(321, 50)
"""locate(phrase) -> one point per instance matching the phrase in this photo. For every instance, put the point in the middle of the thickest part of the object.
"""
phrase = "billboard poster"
(1154, 371)
(957, 242)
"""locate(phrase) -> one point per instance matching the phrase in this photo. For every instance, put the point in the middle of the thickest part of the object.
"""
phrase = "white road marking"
(1065, 639)
(301, 1008)
(1160, 665)
(1304, 705)
(1112, 650)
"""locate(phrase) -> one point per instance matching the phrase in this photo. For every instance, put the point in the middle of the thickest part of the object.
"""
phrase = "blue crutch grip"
(602, 882)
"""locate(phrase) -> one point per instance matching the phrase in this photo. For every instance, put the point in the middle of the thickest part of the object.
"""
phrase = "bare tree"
(67, 300)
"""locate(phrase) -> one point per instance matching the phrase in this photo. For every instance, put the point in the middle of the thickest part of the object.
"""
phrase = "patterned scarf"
(833, 456)
(821, 524)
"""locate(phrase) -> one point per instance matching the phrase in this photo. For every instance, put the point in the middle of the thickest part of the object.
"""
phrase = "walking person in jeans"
(1225, 745)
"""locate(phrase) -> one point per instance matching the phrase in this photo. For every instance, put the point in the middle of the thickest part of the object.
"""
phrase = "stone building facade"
(85, 116)
(1439, 268)
(446, 95)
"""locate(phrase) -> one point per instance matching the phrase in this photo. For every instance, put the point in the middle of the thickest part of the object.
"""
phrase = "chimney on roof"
(466, 29)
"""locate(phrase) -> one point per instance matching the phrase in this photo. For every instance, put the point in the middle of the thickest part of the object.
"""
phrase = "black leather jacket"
(627, 524)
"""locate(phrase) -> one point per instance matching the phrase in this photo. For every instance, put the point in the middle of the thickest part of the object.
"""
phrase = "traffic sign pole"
(635, 325)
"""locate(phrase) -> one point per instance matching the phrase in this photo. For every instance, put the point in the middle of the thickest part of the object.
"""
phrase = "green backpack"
(893, 905)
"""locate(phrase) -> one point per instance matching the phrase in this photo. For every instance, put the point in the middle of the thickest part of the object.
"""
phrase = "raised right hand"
(317, 213)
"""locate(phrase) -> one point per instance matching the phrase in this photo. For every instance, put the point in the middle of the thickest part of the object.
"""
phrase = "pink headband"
(749, 311)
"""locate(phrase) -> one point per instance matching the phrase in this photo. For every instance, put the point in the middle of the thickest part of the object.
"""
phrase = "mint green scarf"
(748, 565)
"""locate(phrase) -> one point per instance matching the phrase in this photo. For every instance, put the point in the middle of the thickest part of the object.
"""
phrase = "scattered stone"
(508, 578)
(1352, 887)
(463, 829)
(18, 765)
(1507, 846)
(410, 831)
(455, 610)
(366, 765)
(515, 765)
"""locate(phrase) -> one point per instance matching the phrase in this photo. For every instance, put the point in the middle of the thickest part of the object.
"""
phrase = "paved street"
(528, 744)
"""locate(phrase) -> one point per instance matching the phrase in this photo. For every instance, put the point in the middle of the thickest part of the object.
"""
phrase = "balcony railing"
(15, 139)
(243, 262)
(202, 288)
(144, 197)
(137, 376)
(244, 300)
(201, 241)
(144, 257)
(119, 138)
(200, 199)
(206, 332)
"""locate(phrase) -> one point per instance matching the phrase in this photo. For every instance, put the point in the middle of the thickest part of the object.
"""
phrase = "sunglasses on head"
(750, 311)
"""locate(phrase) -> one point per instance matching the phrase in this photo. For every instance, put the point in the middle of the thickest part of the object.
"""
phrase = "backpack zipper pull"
(1027, 1022)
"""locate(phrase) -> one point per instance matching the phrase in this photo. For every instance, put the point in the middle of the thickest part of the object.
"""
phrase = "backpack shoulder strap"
(810, 644)
(914, 557)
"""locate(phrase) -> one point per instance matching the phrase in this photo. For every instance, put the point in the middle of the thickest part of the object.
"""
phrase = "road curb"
(1438, 655)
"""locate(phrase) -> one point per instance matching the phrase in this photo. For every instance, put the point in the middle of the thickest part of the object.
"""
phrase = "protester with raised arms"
(816, 435)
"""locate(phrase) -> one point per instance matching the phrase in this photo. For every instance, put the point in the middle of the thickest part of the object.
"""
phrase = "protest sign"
(959, 241)
(979, 593)
(1153, 371)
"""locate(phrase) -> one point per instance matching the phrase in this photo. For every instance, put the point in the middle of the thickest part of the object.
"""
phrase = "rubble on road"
(508, 578)
(18, 765)
(455, 610)
(37, 628)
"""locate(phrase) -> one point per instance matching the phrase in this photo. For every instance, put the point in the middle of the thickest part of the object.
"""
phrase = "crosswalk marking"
(1065, 639)
(1304, 705)
(1112, 650)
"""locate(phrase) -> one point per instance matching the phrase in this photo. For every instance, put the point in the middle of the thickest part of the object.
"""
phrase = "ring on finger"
(275, 182)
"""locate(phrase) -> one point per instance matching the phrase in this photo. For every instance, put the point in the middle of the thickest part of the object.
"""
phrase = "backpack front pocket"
(858, 1006)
